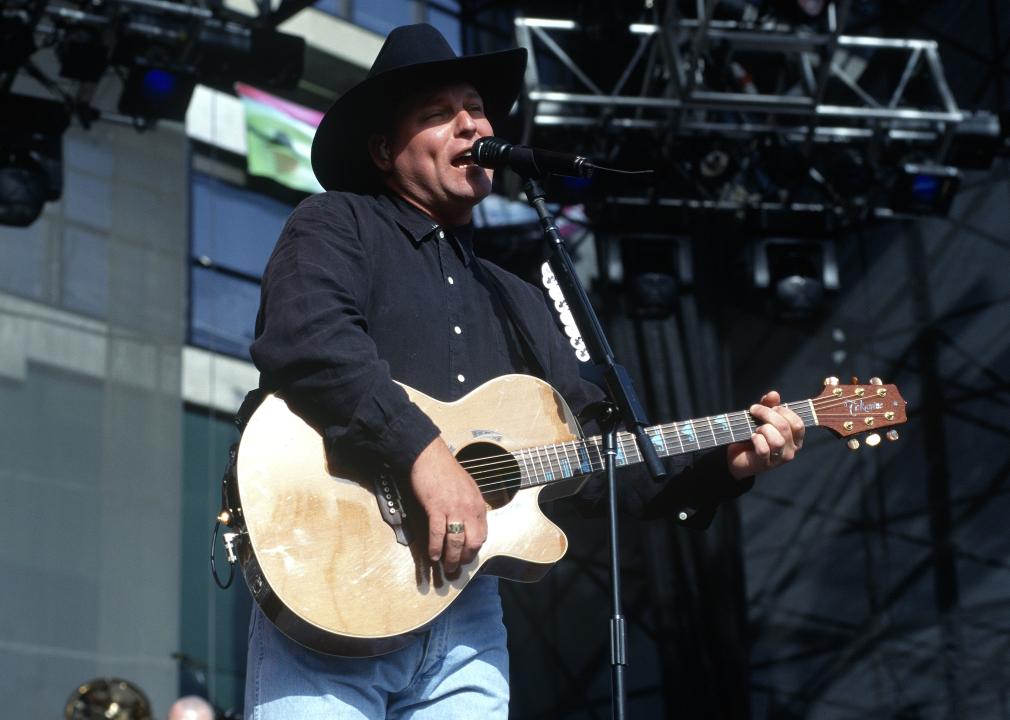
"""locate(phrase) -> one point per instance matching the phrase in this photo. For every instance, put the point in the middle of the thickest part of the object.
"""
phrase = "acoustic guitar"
(338, 561)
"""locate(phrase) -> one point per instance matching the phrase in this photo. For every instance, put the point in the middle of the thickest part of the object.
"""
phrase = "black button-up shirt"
(361, 290)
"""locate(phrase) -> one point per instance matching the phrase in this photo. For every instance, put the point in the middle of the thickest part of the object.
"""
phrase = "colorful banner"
(279, 138)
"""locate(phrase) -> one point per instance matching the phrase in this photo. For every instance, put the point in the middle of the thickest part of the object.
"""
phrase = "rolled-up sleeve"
(312, 340)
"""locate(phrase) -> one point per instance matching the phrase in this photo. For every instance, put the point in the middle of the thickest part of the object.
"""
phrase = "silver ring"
(454, 528)
(776, 454)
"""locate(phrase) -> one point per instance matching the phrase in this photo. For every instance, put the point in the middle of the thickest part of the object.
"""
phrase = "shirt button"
(461, 378)
(458, 330)
(450, 280)
(441, 235)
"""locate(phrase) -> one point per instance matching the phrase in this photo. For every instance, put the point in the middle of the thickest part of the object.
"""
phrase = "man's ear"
(378, 149)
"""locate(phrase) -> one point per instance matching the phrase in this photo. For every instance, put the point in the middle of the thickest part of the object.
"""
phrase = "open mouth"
(464, 159)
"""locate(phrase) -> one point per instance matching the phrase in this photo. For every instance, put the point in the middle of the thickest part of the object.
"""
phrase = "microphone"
(492, 152)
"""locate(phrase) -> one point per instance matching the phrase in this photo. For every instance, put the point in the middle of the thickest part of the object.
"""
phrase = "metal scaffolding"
(688, 77)
(673, 94)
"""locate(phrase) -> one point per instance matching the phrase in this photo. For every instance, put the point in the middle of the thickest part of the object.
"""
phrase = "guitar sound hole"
(496, 471)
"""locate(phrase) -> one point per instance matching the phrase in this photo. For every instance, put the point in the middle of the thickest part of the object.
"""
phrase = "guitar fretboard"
(552, 463)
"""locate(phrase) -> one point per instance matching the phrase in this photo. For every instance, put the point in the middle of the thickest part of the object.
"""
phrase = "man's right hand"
(448, 493)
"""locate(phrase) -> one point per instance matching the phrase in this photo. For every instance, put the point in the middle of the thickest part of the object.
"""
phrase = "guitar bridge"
(392, 507)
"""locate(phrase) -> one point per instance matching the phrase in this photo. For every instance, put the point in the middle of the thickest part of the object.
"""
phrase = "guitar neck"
(552, 463)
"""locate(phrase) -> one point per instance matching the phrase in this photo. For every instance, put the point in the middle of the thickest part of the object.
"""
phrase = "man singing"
(377, 282)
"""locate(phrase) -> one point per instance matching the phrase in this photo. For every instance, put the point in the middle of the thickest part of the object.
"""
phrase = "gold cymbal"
(108, 699)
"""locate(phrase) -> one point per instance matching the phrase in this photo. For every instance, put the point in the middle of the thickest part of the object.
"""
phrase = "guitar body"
(324, 564)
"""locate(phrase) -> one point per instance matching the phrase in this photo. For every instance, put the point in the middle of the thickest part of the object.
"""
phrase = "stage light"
(976, 142)
(654, 269)
(261, 57)
(799, 273)
(82, 54)
(653, 295)
(30, 157)
(22, 188)
(157, 91)
(925, 189)
(17, 41)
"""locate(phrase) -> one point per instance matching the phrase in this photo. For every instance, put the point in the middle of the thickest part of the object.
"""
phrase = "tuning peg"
(892, 435)
(873, 439)
(876, 381)
(855, 380)
(830, 380)
(853, 443)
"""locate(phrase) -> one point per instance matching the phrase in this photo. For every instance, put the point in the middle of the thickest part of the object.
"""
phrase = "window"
(381, 16)
(233, 231)
(340, 8)
(448, 25)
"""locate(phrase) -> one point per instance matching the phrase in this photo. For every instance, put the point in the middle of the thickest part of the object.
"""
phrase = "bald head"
(191, 707)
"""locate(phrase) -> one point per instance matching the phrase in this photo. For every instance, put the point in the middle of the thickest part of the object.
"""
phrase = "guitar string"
(489, 471)
(481, 465)
(488, 480)
(735, 425)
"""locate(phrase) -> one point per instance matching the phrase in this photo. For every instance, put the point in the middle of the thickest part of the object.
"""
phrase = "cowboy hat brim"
(340, 156)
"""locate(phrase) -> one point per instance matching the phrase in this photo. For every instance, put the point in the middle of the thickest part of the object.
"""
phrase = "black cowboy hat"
(411, 55)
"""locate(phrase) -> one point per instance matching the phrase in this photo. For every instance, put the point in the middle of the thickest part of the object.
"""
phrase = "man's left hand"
(775, 442)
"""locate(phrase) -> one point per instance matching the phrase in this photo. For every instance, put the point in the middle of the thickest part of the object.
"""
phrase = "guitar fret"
(658, 440)
(557, 459)
(711, 430)
(634, 453)
(621, 448)
(526, 474)
(724, 427)
(597, 444)
(552, 462)
(673, 429)
(813, 413)
(534, 470)
(688, 436)
(543, 467)
(546, 460)
(566, 464)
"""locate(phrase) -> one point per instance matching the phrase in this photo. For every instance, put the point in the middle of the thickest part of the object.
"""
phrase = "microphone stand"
(624, 409)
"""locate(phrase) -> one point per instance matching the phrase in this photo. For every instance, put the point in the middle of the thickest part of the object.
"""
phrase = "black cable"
(213, 560)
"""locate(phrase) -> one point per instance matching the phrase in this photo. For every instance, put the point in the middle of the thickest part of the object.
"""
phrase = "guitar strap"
(526, 346)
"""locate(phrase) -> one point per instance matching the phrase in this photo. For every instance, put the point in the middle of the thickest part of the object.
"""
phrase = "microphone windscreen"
(491, 152)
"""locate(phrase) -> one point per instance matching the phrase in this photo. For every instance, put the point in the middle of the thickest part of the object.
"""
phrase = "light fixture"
(259, 56)
(30, 157)
(799, 273)
(924, 189)
(82, 54)
(156, 91)
(17, 41)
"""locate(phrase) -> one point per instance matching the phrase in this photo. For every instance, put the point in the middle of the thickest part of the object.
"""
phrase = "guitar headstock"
(848, 410)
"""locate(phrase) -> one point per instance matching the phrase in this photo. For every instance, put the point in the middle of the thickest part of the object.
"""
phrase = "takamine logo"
(564, 314)
(862, 407)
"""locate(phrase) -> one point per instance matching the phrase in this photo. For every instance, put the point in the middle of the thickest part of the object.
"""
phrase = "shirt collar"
(419, 227)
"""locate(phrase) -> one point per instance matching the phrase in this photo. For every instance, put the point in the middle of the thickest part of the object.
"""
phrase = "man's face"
(427, 161)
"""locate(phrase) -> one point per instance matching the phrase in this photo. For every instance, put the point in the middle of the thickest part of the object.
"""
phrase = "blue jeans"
(456, 668)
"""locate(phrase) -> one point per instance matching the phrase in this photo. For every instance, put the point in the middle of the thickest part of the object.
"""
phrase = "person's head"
(422, 154)
(419, 108)
(191, 707)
